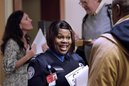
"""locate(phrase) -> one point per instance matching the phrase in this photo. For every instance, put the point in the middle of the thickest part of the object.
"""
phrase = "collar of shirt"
(122, 19)
(99, 7)
(60, 57)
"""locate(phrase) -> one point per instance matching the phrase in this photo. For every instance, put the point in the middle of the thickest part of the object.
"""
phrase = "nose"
(30, 19)
(64, 40)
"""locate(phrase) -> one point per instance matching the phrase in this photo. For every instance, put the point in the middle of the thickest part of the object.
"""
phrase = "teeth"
(63, 47)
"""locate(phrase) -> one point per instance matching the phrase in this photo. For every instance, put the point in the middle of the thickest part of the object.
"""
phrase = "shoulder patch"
(31, 72)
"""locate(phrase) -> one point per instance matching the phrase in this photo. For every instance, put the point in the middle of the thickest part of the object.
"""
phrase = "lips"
(64, 47)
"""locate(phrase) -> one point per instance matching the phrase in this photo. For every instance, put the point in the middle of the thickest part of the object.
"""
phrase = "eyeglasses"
(82, 3)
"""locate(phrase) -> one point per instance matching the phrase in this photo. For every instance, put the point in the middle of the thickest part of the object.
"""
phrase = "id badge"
(51, 79)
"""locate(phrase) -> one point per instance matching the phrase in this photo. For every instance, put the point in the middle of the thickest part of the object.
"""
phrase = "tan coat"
(109, 64)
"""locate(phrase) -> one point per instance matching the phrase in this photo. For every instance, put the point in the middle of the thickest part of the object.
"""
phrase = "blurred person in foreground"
(15, 49)
(50, 68)
(109, 63)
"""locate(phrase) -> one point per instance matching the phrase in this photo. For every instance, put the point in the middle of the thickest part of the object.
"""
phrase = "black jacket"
(38, 70)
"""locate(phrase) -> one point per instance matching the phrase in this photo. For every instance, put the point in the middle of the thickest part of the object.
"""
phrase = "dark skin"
(115, 16)
(117, 12)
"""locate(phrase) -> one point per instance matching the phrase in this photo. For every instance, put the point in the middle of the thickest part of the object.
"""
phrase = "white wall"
(74, 14)
(109, 1)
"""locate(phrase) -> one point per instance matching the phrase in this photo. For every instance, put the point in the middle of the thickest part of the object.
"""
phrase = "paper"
(82, 77)
(78, 77)
(39, 41)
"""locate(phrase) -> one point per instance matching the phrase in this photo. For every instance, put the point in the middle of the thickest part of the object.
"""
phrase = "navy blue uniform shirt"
(38, 70)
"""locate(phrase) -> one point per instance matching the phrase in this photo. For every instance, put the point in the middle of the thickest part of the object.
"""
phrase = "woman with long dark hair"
(15, 49)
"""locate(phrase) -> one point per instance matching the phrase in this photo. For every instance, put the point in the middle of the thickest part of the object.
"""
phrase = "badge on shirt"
(31, 72)
(51, 79)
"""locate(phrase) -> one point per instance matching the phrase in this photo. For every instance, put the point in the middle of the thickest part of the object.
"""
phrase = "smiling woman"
(59, 57)
(63, 41)
(60, 31)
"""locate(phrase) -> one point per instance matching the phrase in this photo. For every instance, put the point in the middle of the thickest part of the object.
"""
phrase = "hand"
(88, 42)
(82, 42)
(45, 47)
(31, 52)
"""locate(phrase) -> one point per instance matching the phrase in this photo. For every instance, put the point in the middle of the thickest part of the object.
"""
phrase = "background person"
(96, 21)
(59, 59)
(109, 64)
(14, 48)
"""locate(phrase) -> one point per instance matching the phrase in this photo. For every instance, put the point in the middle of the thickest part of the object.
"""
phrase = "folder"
(78, 77)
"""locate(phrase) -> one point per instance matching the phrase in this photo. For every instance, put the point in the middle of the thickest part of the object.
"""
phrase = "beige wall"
(2, 18)
(32, 8)
(8, 8)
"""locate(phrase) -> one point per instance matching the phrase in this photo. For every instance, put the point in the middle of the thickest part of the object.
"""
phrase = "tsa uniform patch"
(31, 72)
